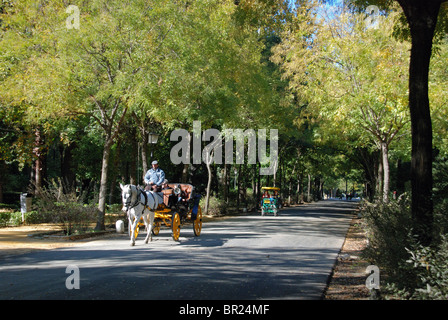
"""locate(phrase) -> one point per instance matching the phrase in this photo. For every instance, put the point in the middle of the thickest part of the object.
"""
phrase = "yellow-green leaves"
(352, 77)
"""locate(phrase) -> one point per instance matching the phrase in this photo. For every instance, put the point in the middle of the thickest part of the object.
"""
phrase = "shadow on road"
(243, 257)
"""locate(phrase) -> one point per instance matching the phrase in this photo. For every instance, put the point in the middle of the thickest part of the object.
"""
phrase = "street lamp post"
(152, 139)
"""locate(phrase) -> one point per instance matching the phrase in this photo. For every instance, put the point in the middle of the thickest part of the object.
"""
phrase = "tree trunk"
(103, 185)
(67, 172)
(369, 162)
(422, 19)
(290, 184)
(386, 171)
(209, 182)
(2, 178)
(316, 189)
(346, 188)
(298, 190)
(144, 150)
(258, 166)
(238, 188)
(380, 179)
(39, 164)
(289, 191)
(111, 129)
(321, 188)
(301, 188)
(254, 184)
(185, 169)
(114, 172)
(308, 198)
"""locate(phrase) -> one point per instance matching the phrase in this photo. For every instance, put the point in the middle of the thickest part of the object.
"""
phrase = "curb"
(52, 234)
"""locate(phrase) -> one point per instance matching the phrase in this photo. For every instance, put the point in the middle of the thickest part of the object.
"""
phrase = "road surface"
(238, 258)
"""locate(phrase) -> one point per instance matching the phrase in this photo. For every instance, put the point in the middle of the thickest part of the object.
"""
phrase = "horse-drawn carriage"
(172, 207)
(271, 202)
(180, 205)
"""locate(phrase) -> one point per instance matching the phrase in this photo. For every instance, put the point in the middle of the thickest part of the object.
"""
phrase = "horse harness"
(128, 204)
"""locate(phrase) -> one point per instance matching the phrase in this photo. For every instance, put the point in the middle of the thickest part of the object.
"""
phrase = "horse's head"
(126, 196)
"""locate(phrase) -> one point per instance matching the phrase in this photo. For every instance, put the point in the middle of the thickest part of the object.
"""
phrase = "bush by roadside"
(14, 218)
(63, 206)
(408, 269)
(216, 206)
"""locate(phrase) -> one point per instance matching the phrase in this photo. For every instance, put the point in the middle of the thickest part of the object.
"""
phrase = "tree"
(427, 21)
(422, 19)
(158, 61)
(350, 74)
(97, 70)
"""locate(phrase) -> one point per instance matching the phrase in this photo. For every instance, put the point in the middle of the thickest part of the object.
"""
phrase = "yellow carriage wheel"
(156, 228)
(175, 224)
(197, 224)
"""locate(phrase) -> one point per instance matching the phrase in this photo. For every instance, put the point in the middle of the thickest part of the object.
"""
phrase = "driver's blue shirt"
(156, 176)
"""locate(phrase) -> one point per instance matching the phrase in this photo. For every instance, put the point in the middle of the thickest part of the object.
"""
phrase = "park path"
(238, 258)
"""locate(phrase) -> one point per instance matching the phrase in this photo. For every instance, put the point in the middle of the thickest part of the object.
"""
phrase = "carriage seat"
(186, 188)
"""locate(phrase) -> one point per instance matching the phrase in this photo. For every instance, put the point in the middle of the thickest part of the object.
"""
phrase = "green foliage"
(411, 270)
(388, 227)
(35, 217)
(347, 73)
(162, 61)
(440, 195)
(15, 218)
(216, 206)
(438, 95)
(430, 266)
(401, 28)
(4, 218)
(333, 89)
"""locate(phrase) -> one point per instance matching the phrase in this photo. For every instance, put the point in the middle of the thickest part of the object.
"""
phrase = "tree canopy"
(83, 85)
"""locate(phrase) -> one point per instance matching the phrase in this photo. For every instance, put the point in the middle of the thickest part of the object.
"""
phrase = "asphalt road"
(239, 258)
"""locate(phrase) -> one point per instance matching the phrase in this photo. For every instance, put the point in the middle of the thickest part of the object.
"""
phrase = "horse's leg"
(145, 220)
(130, 224)
(133, 227)
(148, 224)
(152, 203)
(151, 222)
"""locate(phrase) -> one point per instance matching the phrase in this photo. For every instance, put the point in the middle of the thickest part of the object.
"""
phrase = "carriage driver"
(154, 177)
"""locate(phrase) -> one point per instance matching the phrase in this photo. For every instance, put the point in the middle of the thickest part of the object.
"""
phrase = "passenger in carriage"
(154, 178)
(182, 195)
(169, 198)
(165, 185)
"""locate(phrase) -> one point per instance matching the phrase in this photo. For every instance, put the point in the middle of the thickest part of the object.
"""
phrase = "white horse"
(138, 203)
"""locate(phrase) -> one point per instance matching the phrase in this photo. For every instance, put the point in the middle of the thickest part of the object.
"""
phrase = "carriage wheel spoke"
(197, 224)
(175, 223)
